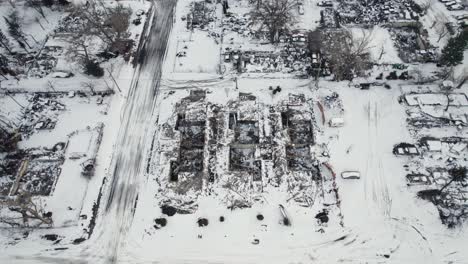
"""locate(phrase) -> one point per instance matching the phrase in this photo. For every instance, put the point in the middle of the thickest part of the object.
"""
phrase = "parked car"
(455, 7)
(351, 175)
(405, 149)
(315, 58)
(417, 179)
(325, 3)
(449, 3)
(463, 23)
(462, 17)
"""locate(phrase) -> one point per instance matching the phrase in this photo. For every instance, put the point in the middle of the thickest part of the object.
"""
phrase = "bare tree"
(96, 18)
(38, 21)
(441, 27)
(108, 24)
(426, 5)
(275, 16)
(458, 174)
(79, 50)
(381, 53)
(447, 88)
(21, 210)
(348, 55)
(37, 5)
(90, 86)
(119, 20)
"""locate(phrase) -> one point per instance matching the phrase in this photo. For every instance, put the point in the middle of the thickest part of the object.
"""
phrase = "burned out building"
(243, 147)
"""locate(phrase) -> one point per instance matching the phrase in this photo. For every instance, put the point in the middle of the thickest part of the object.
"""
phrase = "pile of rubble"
(430, 110)
(377, 12)
(239, 149)
(329, 18)
(293, 58)
(41, 113)
(201, 14)
(449, 193)
(32, 64)
(71, 23)
(412, 45)
(32, 171)
(238, 24)
(187, 168)
(438, 167)
(9, 165)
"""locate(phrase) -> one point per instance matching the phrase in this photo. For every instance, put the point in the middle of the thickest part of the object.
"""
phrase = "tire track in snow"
(132, 143)
(375, 181)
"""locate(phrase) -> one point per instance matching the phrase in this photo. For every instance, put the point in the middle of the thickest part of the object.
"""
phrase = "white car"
(417, 179)
(455, 7)
(447, 4)
(325, 3)
(351, 175)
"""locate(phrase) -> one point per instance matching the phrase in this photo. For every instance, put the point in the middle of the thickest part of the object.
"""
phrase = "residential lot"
(339, 136)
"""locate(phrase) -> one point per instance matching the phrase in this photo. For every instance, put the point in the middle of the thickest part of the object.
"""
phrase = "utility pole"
(8, 94)
(112, 77)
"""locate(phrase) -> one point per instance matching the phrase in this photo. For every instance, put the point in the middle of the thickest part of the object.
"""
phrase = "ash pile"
(201, 15)
(32, 171)
(378, 11)
(239, 152)
(41, 113)
(437, 172)
(293, 57)
(412, 44)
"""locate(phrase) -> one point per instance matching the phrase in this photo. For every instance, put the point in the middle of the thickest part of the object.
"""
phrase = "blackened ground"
(160, 222)
(168, 210)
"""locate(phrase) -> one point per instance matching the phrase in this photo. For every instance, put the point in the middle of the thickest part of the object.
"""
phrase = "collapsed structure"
(239, 151)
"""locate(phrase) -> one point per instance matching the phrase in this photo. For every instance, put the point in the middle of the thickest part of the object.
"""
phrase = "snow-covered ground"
(383, 219)
(381, 46)
(375, 219)
(86, 123)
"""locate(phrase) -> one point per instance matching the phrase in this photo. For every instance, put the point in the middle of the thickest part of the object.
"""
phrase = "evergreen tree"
(463, 37)
(452, 53)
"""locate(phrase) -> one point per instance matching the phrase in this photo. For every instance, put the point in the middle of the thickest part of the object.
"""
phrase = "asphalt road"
(134, 137)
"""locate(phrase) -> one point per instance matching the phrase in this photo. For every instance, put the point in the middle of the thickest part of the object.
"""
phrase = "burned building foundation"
(191, 149)
(243, 147)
